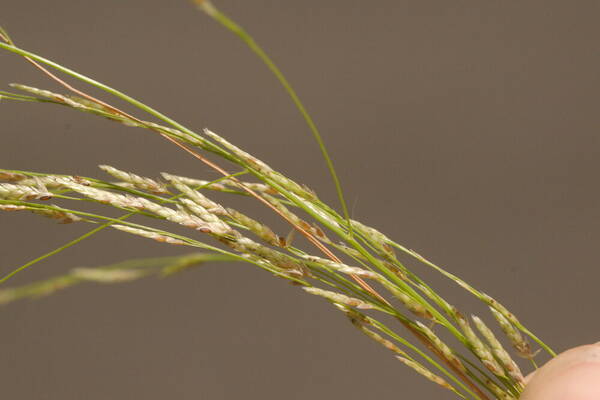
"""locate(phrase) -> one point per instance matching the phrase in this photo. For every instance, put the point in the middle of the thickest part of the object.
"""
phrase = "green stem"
(231, 25)
(99, 85)
(59, 249)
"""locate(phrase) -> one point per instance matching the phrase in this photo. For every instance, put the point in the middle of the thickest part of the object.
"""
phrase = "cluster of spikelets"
(372, 279)
(352, 266)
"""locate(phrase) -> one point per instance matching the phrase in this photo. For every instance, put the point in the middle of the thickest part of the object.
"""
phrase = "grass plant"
(349, 264)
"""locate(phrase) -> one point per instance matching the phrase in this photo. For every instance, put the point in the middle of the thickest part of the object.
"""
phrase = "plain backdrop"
(467, 130)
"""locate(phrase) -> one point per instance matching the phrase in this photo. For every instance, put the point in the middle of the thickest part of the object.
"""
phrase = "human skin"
(572, 375)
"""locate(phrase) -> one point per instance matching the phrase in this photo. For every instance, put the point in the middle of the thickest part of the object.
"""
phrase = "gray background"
(465, 129)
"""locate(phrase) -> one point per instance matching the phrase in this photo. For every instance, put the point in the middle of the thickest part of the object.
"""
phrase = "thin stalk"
(99, 85)
(59, 249)
(232, 26)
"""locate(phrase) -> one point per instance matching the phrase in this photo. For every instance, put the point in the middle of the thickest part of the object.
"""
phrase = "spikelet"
(376, 238)
(297, 221)
(426, 373)
(194, 195)
(138, 182)
(11, 207)
(410, 303)
(259, 229)
(478, 347)
(9, 191)
(517, 340)
(53, 181)
(509, 364)
(343, 268)
(339, 298)
(149, 234)
(11, 176)
(194, 183)
(442, 347)
(49, 95)
(224, 185)
(62, 217)
(216, 226)
(381, 340)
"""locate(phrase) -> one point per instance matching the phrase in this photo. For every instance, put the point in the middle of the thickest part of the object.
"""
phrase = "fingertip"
(573, 375)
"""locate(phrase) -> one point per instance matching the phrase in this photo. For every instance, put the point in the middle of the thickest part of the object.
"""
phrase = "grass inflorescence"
(350, 265)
